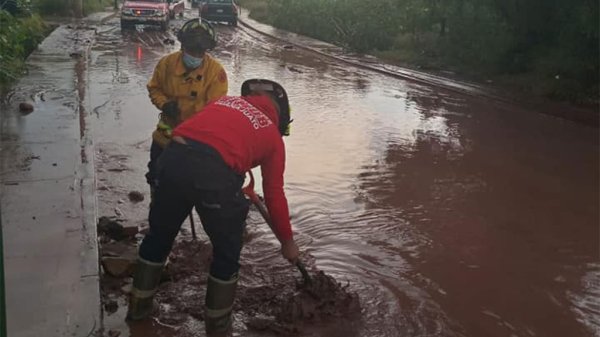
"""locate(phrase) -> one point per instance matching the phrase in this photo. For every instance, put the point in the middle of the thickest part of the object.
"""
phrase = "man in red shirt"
(204, 167)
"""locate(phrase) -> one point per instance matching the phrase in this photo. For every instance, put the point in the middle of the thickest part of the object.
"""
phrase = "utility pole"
(77, 6)
(3, 328)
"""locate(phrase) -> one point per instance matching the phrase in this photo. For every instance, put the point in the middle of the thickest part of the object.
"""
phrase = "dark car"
(220, 11)
(197, 3)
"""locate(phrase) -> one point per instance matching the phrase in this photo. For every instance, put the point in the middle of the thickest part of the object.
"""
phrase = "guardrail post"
(2, 293)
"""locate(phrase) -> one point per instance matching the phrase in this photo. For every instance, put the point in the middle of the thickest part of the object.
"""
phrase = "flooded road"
(448, 215)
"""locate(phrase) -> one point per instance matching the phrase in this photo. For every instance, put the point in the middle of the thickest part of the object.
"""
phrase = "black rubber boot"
(219, 304)
(145, 283)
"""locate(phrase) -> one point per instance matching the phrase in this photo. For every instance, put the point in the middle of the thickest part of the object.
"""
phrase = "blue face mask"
(192, 62)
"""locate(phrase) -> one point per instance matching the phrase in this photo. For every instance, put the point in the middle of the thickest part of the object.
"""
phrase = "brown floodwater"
(447, 214)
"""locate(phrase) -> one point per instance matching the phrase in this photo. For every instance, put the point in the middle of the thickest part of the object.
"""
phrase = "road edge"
(556, 109)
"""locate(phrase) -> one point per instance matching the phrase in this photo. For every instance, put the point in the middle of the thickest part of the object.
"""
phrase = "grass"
(20, 35)
(481, 48)
(65, 8)
(259, 10)
(92, 6)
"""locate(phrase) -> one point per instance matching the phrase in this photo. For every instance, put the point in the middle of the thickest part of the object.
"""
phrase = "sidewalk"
(47, 194)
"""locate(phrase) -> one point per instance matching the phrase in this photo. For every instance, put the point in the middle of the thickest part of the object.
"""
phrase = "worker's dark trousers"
(155, 152)
(196, 175)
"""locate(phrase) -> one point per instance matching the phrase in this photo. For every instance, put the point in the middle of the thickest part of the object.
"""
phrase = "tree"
(77, 6)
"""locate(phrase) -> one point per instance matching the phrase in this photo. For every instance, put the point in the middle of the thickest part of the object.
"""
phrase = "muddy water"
(449, 215)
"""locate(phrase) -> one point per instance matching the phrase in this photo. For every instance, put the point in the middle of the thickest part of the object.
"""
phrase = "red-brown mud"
(316, 302)
(282, 307)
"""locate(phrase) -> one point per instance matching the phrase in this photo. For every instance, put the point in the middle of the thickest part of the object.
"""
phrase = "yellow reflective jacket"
(192, 90)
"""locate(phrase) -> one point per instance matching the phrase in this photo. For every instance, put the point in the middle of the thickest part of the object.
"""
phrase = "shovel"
(249, 191)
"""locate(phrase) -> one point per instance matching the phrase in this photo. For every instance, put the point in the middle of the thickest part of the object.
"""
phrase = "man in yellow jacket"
(183, 83)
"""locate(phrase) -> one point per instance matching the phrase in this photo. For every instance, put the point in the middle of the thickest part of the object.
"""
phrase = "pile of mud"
(314, 302)
(282, 307)
(279, 304)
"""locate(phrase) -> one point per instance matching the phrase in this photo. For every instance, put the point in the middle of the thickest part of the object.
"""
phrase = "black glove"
(171, 110)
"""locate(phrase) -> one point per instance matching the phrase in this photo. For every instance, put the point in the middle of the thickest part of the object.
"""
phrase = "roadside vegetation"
(22, 28)
(71, 7)
(19, 36)
(544, 48)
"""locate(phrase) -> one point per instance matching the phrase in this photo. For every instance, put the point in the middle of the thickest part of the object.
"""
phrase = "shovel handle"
(249, 191)
(302, 269)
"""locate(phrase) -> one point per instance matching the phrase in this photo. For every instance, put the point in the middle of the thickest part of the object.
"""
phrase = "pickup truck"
(150, 12)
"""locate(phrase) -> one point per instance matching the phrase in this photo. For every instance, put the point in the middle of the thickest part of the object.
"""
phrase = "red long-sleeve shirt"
(244, 130)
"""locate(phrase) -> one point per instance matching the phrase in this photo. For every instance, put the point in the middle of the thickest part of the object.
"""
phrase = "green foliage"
(553, 42)
(67, 7)
(18, 37)
(16, 7)
(258, 8)
(52, 6)
(92, 6)
(20, 34)
(359, 25)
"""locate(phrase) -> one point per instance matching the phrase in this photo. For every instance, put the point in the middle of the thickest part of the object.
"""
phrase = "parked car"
(220, 11)
(197, 3)
(150, 12)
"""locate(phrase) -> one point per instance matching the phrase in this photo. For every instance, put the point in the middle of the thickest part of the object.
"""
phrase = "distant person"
(204, 167)
(183, 83)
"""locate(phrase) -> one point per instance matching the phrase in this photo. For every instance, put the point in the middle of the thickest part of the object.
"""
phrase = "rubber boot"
(219, 304)
(145, 283)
